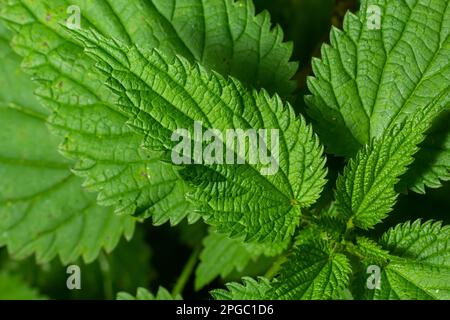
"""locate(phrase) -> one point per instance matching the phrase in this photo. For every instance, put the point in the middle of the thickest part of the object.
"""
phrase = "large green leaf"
(227, 35)
(431, 163)
(43, 209)
(245, 199)
(373, 77)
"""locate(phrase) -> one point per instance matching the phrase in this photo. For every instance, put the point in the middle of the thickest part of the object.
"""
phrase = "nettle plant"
(116, 79)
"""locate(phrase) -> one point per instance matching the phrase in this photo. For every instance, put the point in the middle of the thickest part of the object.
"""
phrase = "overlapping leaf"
(109, 154)
(43, 209)
(162, 94)
(389, 61)
(366, 191)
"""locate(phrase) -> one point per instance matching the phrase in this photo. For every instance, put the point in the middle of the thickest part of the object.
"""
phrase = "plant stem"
(186, 272)
(106, 273)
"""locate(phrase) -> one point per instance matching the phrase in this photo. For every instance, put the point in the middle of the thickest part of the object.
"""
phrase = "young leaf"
(237, 199)
(366, 192)
(227, 36)
(427, 242)
(431, 163)
(223, 34)
(12, 287)
(43, 209)
(313, 271)
(109, 155)
(420, 265)
(384, 66)
(251, 289)
(144, 294)
(369, 250)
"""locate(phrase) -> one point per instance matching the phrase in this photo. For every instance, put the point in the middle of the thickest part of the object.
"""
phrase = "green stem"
(106, 273)
(186, 273)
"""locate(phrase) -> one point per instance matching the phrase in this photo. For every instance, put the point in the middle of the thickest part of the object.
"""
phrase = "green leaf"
(236, 199)
(251, 289)
(369, 250)
(344, 294)
(144, 294)
(221, 255)
(12, 287)
(313, 271)
(365, 192)
(420, 266)
(370, 79)
(43, 209)
(225, 35)
(431, 163)
(427, 242)
(109, 155)
(412, 281)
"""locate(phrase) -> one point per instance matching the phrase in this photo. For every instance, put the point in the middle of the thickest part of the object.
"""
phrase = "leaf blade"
(370, 79)
(153, 83)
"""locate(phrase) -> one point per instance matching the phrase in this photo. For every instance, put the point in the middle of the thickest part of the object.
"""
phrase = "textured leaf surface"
(250, 289)
(312, 272)
(369, 250)
(431, 163)
(144, 294)
(366, 191)
(420, 268)
(225, 35)
(43, 209)
(13, 287)
(426, 242)
(237, 199)
(110, 158)
(371, 78)
(108, 153)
